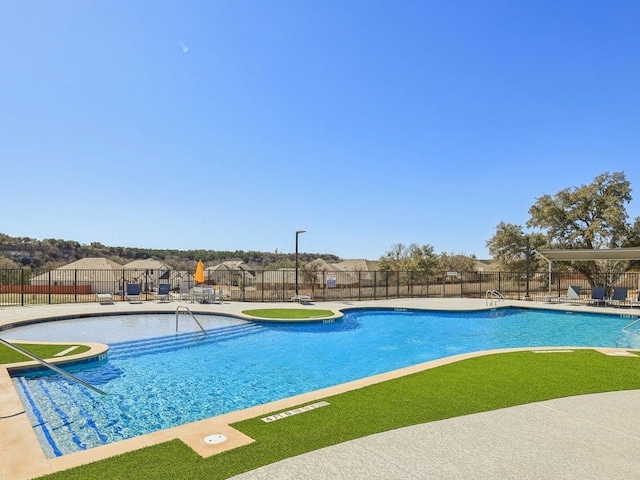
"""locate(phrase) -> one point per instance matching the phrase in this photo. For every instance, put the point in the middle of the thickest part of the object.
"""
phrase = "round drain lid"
(216, 438)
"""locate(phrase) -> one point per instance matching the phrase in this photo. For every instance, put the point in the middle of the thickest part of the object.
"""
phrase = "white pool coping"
(23, 457)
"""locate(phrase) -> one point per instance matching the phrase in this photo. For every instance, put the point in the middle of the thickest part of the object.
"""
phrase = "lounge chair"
(220, 295)
(185, 292)
(573, 294)
(301, 298)
(597, 296)
(133, 293)
(197, 294)
(105, 298)
(636, 302)
(163, 292)
(619, 297)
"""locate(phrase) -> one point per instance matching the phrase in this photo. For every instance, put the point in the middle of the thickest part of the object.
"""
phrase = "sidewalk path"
(586, 437)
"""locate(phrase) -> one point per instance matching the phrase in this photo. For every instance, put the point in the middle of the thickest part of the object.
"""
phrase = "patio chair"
(105, 298)
(197, 294)
(597, 296)
(163, 292)
(133, 293)
(573, 294)
(185, 292)
(301, 298)
(636, 302)
(218, 297)
(619, 297)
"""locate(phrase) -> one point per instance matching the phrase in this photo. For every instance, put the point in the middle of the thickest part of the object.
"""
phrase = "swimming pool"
(157, 379)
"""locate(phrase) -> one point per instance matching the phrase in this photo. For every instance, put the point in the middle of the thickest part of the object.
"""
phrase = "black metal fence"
(28, 287)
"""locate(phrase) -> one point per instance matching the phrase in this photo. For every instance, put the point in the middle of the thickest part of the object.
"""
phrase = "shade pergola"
(586, 254)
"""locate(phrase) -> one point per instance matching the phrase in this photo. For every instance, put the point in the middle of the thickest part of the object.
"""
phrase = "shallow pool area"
(157, 378)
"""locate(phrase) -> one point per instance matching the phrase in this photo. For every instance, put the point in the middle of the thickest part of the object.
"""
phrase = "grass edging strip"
(470, 386)
(49, 351)
(289, 313)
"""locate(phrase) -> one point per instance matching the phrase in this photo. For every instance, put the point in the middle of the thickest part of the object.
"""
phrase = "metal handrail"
(51, 366)
(192, 316)
(624, 329)
(493, 296)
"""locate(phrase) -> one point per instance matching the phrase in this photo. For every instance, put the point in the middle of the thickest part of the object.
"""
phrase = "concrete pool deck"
(580, 437)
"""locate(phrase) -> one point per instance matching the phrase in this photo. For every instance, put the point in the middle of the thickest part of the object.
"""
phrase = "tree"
(510, 246)
(403, 258)
(8, 264)
(451, 262)
(590, 216)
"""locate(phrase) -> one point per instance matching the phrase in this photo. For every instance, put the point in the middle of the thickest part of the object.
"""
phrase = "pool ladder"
(192, 316)
(492, 297)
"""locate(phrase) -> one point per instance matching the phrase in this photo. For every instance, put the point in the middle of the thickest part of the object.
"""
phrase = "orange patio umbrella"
(199, 275)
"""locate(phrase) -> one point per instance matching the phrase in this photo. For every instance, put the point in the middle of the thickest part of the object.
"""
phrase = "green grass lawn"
(7, 355)
(288, 313)
(470, 386)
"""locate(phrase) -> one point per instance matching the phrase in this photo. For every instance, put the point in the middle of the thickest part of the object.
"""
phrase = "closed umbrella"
(199, 275)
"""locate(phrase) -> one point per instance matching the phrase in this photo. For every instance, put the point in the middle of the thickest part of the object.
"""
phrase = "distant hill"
(51, 253)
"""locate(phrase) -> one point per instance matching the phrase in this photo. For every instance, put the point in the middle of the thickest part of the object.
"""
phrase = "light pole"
(528, 259)
(298, 232)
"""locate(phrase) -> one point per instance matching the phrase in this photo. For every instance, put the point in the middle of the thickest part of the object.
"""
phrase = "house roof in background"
(147, 264)
(92, 263)
(359, 264)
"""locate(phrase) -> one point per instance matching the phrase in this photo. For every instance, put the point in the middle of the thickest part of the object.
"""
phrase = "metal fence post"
(387, 285)
(375, 283)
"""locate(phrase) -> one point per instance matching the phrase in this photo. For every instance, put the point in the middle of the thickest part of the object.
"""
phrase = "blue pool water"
(157, 378)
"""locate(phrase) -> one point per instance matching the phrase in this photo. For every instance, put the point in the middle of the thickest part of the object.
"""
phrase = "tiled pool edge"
(31, 461)
(26, 466)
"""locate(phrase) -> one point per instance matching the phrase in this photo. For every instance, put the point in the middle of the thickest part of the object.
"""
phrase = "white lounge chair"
(301, 298)
(636, 302)
(573, 294)
(105, 298)
(218, 297)
(198, 294)
(185, 292)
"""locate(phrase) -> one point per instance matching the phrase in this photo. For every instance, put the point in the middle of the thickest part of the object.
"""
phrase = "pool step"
(60, 402)
(180, 340)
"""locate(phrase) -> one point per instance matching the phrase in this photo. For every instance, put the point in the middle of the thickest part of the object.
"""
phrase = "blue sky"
(229, 125)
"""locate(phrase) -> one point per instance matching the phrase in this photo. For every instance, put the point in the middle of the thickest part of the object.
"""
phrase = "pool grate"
(306, 408)
(215, 439)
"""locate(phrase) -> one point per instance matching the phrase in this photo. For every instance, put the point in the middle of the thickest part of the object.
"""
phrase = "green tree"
(510, 246)
(404, 258)
(591, 216)
(452, 262)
